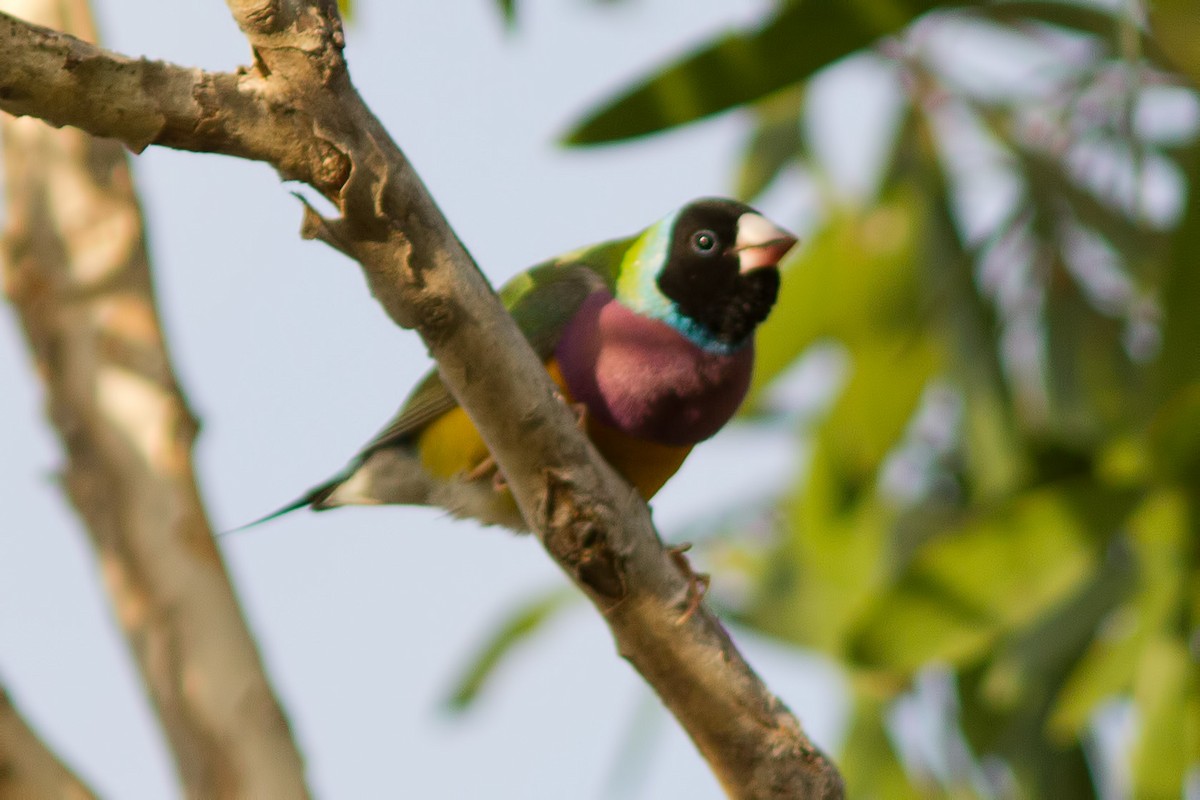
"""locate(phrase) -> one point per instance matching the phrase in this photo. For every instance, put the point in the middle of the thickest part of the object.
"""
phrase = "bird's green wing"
(541, 300)
(428, 401)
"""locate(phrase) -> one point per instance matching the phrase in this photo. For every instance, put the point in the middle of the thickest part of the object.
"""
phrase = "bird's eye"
(704, 242)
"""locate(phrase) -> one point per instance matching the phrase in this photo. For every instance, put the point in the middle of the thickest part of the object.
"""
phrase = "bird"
(649, 337)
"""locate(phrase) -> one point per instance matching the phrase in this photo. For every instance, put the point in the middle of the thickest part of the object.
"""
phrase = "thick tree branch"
(590, 521)
(76, 270)
(28, 770)
(65, 80)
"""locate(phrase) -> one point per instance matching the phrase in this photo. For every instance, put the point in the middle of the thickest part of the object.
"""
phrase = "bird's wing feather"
(541, 300)
(428, 401)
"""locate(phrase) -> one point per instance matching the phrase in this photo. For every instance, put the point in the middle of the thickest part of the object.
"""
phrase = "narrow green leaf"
(775, 142)
(1092, 382)
(508, 11)
(1175, 433)
(921, 622)
(868, 759)
(1107, 24)
(1158, 535)
(629, 771)
(992, 438)
(1166, 698)
(1130, 236)
(1041, 767)
(1023, 678)
(743, 67)
(521, 623)
(1176, 25)
(1179, 363)
(832, 561)
(1165, 533)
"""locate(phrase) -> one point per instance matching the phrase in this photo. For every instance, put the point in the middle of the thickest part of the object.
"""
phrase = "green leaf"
(832, 561)
(1041, 767)
(923, 621)
(1050, 180)
(1012, 700)
(1170, 715)
(346, 8)
(1176, 26)
(775, 142)
(740, 68)
(1089, 375)
(992, 438)
(1013, 612)
(1175, 433)
(638, 752)
(1158, 533)
(868, 760)
(1092, 19)
(1091, 379)
(992, 573)
(1023, 679)
(508, 11)
(854, 280)
(1165, 683)
(858, 284)
(1179, 363)
(521, 623)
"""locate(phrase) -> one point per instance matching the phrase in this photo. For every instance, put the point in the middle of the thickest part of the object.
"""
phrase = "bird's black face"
(721, 270)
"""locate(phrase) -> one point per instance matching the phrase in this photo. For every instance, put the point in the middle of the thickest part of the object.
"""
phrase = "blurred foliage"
(508, 12)
(513, 631)
(998, 530)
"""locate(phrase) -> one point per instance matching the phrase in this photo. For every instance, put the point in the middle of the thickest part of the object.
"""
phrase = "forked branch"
(590, 521)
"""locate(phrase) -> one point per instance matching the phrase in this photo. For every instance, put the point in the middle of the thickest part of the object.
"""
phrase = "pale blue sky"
(365, 616)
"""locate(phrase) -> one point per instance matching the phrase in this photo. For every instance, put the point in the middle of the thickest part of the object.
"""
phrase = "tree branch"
(590, 521)
(77, 273)
(28, 770)
(65, 80)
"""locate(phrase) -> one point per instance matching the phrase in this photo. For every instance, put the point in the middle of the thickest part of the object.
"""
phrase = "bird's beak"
(760, 243)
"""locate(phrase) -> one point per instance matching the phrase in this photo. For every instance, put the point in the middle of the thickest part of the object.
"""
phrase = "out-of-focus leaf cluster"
(1004, 490)
(998, 529)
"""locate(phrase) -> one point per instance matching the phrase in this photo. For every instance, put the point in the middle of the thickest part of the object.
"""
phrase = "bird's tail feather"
(312, 498)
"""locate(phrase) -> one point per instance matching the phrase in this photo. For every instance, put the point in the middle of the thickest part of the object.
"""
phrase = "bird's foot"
(482, 469)
(581, 414)
(578, 410)
(698, 582)
(486, 468)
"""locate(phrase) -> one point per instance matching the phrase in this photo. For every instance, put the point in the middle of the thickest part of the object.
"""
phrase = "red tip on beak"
(760, 243)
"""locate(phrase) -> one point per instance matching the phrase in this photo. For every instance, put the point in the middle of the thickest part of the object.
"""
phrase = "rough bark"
(28, 770)
(76, 271)
(590, 521)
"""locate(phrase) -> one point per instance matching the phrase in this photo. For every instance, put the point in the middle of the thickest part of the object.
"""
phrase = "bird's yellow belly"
(450, 447)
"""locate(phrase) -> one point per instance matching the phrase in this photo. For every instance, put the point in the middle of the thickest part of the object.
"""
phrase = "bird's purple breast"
(642, 377)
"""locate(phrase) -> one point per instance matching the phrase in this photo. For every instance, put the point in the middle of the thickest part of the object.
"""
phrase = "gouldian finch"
(651, 337)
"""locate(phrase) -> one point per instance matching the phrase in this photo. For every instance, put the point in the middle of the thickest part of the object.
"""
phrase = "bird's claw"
(698, 582)
(482, 469)
(581, 414)
(485, 468)
(579, 410)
